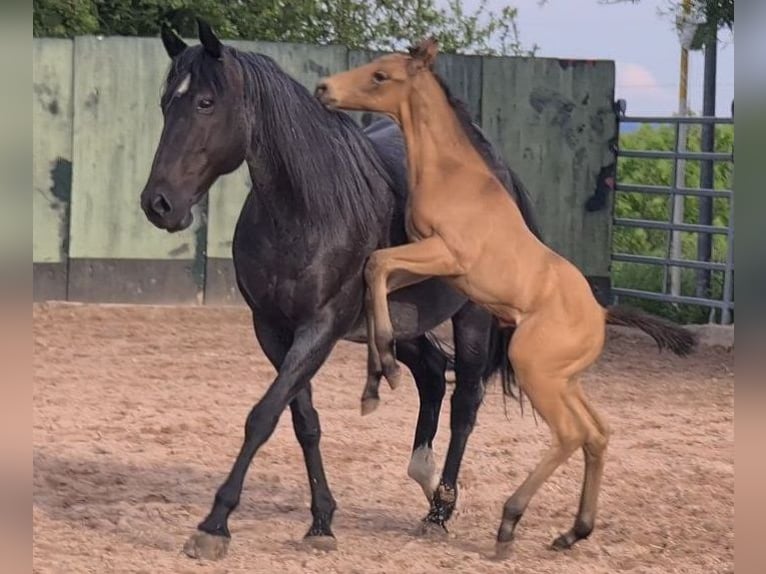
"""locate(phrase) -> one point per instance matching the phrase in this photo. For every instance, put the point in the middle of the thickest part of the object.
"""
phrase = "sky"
(643, 44)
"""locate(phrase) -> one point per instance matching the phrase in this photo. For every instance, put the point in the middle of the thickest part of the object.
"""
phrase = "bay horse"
(464, 227)
(325, 194)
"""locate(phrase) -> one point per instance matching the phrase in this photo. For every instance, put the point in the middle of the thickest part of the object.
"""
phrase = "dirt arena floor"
(139, 412)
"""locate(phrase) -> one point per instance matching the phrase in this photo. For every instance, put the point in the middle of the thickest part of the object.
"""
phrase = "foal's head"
(205, 133)
(380, 86)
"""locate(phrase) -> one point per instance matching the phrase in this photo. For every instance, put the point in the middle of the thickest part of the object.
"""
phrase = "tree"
(712, 15)
(367, 24)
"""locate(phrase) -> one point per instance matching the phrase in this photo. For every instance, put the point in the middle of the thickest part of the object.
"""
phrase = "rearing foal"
(463, 226)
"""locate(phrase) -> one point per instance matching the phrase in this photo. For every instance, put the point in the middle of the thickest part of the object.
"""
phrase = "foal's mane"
(494, 161)
(336, 178)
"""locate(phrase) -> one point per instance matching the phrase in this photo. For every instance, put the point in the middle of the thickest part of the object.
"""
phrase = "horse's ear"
(173, 43)
(209, 40)
(425, 51)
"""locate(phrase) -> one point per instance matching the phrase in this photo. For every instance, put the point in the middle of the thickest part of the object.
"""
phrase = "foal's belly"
(490, 298)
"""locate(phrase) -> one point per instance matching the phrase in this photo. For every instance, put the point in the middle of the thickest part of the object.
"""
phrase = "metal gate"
(675, 225)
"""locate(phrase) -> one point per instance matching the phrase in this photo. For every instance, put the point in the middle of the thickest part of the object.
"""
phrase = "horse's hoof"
(206, 546)
(369, 405)
(432, 530)
(323, 543)
(503, 550)
(563, 542)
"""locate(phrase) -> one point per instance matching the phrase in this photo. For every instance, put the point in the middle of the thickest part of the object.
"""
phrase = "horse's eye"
(379, 77)
(205, 104)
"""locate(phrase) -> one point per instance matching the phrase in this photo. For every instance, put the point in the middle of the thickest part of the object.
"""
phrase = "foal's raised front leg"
(311, 345)
(371, 395)
(394, 268)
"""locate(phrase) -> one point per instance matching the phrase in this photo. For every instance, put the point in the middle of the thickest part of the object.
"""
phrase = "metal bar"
(695, 120)
(690, 155)
(728, 274)
(690, 227)
(671, 298)
(651, 260)
(664, 190)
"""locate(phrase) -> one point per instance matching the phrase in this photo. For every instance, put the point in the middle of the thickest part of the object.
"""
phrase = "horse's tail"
(446, 353)
(497, 358)
(665, 333)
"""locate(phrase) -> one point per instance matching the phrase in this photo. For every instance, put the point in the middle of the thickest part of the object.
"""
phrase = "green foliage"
(368, 24)
(658, 207)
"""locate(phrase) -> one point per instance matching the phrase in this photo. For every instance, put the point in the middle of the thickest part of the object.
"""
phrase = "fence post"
(677, 207)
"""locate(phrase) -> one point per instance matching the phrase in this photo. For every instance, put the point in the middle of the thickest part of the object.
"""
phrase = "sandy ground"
(138, 413)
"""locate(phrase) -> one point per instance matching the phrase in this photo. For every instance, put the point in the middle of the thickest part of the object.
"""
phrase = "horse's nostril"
(160, 205)
(320, 90)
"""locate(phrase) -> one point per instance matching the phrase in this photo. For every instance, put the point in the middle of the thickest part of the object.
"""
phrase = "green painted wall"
(96, 105)
(554, 121)
(117, 124)
(51, 148)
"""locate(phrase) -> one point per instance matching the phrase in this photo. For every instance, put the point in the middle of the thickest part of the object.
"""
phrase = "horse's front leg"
(310, 347)
(275, 343)
(394, 268)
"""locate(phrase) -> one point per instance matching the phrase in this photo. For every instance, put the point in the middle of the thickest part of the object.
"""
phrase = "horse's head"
(205, 133)
(380, 86)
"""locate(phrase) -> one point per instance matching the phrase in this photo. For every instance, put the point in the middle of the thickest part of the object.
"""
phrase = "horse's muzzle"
(161, 212)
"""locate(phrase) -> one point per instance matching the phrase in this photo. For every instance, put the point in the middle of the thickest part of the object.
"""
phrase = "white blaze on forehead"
(183, 87)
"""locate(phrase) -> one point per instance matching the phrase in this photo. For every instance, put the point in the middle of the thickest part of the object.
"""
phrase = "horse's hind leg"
(594, 451)
(471, 327)
(546, 393)
(427, 364)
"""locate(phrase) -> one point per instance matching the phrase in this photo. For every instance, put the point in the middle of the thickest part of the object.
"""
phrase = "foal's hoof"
(393, 375)
(369, 405)
(323, 543)
(432, 530)
(563, 542)
(206, 546)
(503, 550)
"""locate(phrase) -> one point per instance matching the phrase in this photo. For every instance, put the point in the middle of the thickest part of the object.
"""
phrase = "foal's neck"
(432, 131)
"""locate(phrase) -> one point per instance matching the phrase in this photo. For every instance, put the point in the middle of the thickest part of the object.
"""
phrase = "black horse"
(324, 195)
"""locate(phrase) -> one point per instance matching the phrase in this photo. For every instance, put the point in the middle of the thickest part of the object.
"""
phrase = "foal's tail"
(666, 333)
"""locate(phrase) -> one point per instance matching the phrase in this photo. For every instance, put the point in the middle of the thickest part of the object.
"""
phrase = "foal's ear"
(173, 43)
(209, 40)
(425, 52)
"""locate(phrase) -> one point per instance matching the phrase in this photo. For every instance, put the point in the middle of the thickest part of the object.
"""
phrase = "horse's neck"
(272, 198)
(432, 132)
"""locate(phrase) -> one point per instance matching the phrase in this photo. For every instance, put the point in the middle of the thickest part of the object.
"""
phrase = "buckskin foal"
(464, 227)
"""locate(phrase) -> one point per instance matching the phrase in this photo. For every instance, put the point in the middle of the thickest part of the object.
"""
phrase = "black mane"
(494, 161)
(337, 180)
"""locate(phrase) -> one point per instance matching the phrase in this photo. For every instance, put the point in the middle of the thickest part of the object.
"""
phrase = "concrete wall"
(97, 123)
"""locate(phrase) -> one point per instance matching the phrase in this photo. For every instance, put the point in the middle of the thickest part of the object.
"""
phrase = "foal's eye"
(379, 77)
(205, 104)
